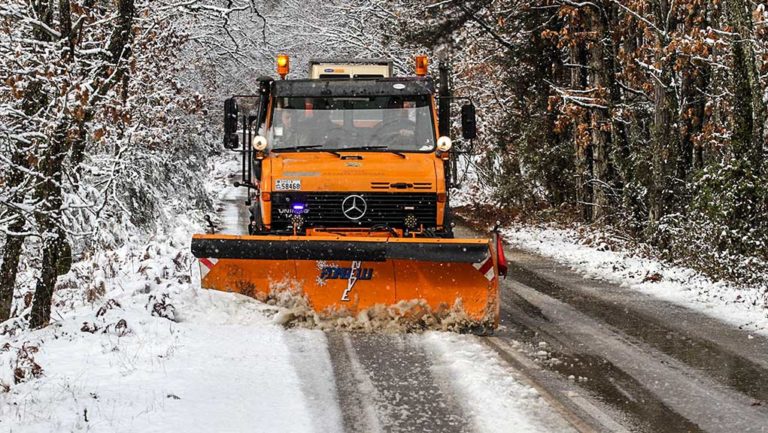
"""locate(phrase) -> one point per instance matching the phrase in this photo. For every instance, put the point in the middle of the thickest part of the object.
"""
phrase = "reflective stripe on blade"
(207, 265)
(485, 267)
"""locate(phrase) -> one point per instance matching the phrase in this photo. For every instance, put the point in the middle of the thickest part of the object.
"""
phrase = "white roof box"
(350, 68)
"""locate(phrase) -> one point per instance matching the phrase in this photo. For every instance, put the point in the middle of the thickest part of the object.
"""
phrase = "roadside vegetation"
(646, 118)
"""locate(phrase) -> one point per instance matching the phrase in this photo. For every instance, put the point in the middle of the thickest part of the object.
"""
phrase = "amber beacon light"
(283, 65)
(421, 65)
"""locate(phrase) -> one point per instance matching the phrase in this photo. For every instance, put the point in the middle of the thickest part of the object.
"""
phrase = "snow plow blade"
(345, 275)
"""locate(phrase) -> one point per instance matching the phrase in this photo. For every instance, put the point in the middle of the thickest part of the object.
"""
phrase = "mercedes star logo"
(354, 207)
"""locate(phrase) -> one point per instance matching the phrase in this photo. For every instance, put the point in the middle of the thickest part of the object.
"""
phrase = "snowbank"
(135, 346)
(154, 354)
(744, 307)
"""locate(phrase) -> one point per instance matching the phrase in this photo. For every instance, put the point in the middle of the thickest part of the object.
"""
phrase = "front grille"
(323, 209)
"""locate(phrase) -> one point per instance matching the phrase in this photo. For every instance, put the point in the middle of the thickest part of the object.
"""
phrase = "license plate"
(287, 185)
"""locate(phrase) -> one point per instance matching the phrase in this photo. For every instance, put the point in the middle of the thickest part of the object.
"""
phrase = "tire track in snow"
(385, 384)
(659, 393)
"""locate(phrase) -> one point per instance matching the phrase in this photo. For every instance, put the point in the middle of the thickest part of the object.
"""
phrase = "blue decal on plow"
(336, 273)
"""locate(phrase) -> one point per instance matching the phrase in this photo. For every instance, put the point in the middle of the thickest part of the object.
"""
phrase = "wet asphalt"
(385, 384)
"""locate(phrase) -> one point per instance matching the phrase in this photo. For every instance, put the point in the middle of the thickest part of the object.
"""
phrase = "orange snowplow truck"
(348, 196)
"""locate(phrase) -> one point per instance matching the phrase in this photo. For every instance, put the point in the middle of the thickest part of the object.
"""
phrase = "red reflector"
(441, 197)
(265, 196)
(502, 258)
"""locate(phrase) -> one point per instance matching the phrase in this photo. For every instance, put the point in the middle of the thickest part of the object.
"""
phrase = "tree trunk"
(33, 100)
(582, 152)
(694, 81)
(663, 147)
(664, 136)
(49, 192)
(41, 307)
(748, 107)
(9, 268)
(600, 118)
(620, 152)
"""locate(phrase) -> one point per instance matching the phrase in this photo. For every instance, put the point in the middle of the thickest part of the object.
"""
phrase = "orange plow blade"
(345, 275)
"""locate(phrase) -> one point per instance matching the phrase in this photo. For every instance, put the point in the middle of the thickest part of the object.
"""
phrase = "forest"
(645, 118)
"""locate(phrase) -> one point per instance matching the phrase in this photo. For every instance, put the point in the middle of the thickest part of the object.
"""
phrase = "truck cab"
(351, 149)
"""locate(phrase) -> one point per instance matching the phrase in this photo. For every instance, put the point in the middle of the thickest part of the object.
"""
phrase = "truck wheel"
(448, 231)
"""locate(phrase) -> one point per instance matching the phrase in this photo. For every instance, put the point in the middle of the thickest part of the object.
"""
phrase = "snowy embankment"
(135, 346)
(153, 354)
(744, 307)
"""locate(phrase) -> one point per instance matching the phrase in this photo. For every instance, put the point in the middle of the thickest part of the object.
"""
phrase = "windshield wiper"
(308, 146)
(400, 154)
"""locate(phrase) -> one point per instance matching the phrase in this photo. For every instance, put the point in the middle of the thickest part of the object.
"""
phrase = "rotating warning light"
(283, 65)
(421, 65)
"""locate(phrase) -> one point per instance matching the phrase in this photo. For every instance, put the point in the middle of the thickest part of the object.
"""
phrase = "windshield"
(336, 123)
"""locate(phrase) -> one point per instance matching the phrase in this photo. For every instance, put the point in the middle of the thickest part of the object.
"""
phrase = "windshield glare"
(337, 123)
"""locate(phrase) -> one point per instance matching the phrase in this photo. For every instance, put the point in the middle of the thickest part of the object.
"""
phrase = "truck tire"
(448, 230)
(256, 226)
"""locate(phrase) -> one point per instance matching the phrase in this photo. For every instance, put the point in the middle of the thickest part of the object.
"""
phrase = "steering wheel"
(336, 137)
(389, 132)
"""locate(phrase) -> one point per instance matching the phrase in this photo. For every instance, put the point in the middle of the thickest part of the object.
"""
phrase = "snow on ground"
(135, 346)
(487, 389)
(156, 354)
(470, 191)
(741, 306)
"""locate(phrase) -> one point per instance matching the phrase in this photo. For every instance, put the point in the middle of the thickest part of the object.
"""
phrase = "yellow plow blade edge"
(344, 275)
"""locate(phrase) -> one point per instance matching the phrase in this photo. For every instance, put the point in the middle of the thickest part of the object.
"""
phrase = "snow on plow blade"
(345, 275)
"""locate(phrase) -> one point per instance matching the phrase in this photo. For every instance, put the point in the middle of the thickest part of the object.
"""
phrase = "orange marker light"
(283, 65)
(421, 65)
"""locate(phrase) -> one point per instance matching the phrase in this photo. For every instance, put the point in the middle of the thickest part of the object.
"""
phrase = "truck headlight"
(444, 144)
(259, 142)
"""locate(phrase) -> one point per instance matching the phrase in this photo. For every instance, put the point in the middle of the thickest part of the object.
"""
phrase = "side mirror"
(468, 122)
(230, 123)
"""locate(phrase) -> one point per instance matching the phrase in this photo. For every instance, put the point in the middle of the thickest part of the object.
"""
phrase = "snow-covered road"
(225, 366)
(433, 382)
(156, 354)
